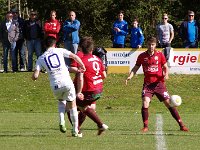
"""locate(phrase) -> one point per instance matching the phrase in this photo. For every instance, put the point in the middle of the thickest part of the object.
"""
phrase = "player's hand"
(166, 77)
(80, 96)
(82, 69)
(129, 78)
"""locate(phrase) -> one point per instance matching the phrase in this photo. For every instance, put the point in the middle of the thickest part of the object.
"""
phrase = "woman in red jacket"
(52, 26)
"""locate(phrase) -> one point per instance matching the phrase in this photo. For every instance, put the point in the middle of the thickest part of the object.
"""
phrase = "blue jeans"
(6, 47)
(33, 45)
(73, 47)
(20, 48)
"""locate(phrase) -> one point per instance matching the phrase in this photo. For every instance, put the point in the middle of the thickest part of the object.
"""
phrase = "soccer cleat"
(145, 129)
(102, 129)
(74, 134)
(184, 128)
(62, 128)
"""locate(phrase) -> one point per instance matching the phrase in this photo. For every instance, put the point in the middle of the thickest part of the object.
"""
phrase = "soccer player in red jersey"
(90, 83)
(155, 70)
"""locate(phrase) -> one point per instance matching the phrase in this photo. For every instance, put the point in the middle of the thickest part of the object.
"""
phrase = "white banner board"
(186, 61)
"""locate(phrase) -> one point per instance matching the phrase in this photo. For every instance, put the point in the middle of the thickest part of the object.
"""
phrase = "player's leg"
(163, 96)
(73, 116)
(175, 115)
(145, 112)
(61, 111)
(93, 115)
(68, 113)
(147, 93)
(82, 116)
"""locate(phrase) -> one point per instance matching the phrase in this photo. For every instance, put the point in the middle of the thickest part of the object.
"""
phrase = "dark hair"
(86, 44)
(135, 19)
(121, 12)
(151, 39)
(50, 41)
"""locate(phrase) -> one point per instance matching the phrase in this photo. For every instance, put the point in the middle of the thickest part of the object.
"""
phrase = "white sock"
(74, 118)
(61, 110)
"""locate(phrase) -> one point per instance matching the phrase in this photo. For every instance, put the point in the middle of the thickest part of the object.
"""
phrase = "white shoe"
(80, 135)
(22, 69)
(102, 129)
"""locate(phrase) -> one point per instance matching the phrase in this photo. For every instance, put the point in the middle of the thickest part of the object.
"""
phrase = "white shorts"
(66, 92)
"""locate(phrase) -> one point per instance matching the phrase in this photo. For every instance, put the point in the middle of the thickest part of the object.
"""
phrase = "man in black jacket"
(33, 36)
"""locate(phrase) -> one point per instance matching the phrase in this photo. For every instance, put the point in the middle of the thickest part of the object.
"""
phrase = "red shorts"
(90, 97)
(157, 88)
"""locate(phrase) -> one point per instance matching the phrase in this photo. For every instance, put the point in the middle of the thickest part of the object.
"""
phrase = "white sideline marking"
(160, 138)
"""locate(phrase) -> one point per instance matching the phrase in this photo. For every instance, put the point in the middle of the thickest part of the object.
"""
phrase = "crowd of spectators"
(21, 38)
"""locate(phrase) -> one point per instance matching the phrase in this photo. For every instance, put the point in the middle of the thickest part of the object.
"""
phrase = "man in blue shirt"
(189, 32)
(71, 34)
(120, 30)
(137, 37)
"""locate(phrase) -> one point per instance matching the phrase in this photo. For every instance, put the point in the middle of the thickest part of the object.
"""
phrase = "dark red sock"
(176, 116)
(92, 115)
(81, 119)
(145, 116)
(68, 115)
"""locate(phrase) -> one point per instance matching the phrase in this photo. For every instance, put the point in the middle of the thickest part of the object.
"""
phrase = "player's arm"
(37, 70)
(171, 36)
(79, 61)
(104, 74)
(35, 74)
(132, 73)
(165, 71)
(80, 83)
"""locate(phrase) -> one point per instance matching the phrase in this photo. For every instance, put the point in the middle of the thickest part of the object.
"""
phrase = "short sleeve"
(171, 27)
(65, 52)
(163, 59)
(139, 60)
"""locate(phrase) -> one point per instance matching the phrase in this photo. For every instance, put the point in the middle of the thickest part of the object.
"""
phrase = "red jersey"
(52, 28)
(152, 66)
(93, 76)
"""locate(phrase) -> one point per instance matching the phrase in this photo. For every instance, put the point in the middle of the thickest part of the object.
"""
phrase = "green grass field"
(29, 118)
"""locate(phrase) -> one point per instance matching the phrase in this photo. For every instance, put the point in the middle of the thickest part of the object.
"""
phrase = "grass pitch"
(29, 118)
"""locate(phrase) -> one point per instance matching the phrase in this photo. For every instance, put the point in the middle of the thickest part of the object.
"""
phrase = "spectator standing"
(189, 32)
(155, 71)
(71, 28)
(20, 47)
(33, 35)
(137, 37)
(9, 34)
(120, 30)
(52, 26)
(165, 32)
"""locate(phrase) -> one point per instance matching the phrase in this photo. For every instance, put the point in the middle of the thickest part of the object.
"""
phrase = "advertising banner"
(186, 61)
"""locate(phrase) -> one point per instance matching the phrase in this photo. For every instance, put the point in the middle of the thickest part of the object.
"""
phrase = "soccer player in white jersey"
(60, 81)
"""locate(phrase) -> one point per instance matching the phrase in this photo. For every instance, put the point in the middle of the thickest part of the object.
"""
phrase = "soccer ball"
(175, 101)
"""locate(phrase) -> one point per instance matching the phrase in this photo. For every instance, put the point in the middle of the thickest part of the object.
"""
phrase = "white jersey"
(53, 62)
